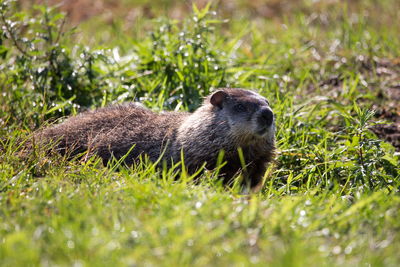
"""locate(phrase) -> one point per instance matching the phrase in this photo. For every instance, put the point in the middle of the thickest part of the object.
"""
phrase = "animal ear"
(218, 98)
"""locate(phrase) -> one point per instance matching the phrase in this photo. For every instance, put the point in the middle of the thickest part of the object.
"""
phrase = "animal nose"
(266, 117)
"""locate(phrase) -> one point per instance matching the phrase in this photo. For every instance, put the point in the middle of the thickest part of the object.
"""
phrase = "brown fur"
(228, 120)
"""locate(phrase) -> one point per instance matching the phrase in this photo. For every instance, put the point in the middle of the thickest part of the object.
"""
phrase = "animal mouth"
(262, 130)
(266, 131)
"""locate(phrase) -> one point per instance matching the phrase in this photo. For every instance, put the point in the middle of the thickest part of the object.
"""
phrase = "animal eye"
(240, 108)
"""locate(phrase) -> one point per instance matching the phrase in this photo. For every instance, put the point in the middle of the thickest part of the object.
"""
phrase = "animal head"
(247, 113)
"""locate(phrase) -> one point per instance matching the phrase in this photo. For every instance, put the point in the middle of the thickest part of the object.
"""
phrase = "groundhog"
(235, 121)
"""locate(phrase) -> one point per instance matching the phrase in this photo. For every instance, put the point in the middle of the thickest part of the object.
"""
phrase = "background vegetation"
(330, 70)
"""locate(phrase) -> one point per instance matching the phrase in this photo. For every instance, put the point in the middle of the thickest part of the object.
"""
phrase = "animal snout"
(266, 117)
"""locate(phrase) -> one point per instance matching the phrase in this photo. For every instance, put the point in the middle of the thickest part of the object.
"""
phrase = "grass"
(127, 219)
(327, 70)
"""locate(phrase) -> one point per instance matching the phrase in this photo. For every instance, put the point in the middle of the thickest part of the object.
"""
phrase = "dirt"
(81, 10)
(389, 109)
(386, 88)
(389, 131)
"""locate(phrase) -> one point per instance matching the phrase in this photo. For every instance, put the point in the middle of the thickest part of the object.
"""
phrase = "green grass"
(332, 197)
(101, 218)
